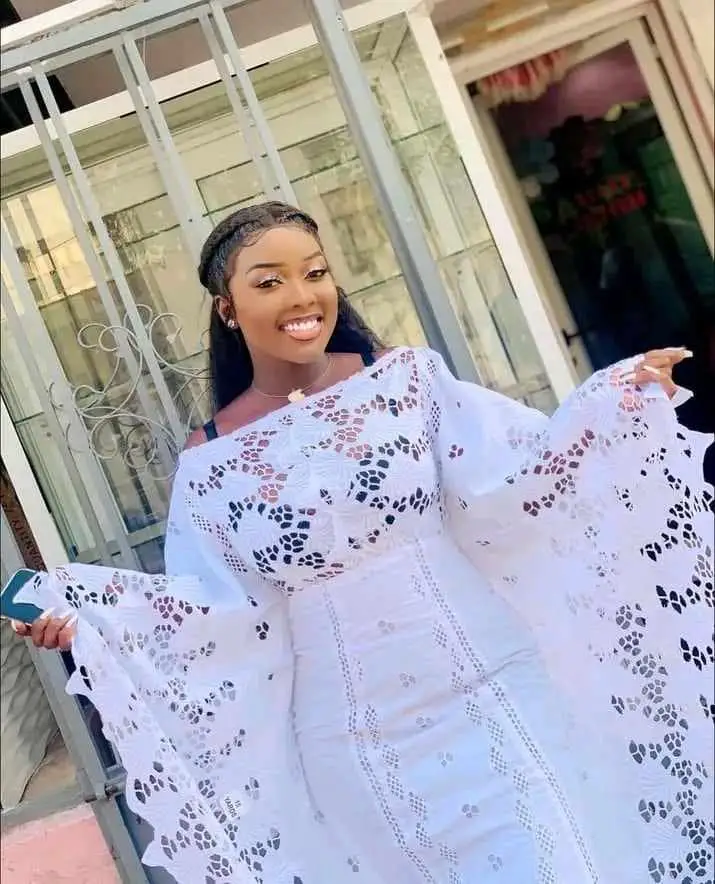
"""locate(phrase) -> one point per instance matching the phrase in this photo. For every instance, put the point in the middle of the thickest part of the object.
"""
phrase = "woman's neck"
(277, 378)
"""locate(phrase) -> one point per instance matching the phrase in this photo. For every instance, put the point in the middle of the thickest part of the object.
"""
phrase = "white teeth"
(305, 325)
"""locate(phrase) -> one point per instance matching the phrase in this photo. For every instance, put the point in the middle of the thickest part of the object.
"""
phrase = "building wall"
(66, 848)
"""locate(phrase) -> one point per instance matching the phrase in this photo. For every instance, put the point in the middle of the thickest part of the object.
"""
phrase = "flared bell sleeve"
(596, 525)
(192, 675)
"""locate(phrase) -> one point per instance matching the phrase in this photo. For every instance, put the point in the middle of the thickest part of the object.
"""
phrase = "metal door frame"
(473, 148)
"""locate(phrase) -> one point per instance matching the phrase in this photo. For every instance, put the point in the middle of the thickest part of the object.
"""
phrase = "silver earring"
(232, 324)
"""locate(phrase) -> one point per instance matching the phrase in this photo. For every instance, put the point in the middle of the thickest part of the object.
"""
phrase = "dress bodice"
(310, 491)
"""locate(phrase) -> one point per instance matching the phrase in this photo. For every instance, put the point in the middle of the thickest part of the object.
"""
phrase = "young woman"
(411, 630)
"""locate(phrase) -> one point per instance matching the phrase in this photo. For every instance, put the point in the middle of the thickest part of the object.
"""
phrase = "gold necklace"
(298, 394)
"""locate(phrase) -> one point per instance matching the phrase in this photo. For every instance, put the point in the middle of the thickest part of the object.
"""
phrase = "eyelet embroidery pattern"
(462, 650)
(391, 759)
(670, 561)
(593, 525)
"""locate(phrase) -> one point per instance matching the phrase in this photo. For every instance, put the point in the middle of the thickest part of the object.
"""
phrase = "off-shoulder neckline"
(263, 423)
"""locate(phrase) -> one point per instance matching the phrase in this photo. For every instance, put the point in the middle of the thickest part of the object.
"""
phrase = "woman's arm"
(193, 679)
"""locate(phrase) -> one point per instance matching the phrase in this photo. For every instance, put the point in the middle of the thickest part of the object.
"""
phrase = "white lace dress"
(431, 636)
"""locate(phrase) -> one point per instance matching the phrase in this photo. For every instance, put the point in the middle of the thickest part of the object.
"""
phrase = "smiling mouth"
(306, 329)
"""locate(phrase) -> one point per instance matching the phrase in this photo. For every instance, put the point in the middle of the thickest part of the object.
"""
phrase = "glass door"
(618, 200)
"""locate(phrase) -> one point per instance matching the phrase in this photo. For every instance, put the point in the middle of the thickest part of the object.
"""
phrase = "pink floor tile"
(67, 848)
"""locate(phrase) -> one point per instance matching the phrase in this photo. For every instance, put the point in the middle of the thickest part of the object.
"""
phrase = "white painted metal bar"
(192, 232)
(90, 256)
(35, 344)
(688, 56)
(494, 206)
(245, 124)
(76, 11)
(95, 784)
(285, 188)
(31, 313)
(187, 187)
(698, 119)
(94, 215)
(101, 787)
(44, 23)
(90, 33)
(53, 63)
(392, 193)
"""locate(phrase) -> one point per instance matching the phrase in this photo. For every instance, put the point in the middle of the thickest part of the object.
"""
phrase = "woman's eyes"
(270, 282)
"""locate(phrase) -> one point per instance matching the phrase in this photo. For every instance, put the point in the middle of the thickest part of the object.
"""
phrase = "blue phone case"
(22, 611)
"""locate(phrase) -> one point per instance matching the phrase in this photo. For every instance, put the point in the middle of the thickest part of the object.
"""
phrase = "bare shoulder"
(219, 420)
(195, 438)
(384, 351)
(234, 417)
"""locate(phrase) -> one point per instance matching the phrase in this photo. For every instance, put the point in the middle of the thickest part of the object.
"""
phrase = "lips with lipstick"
(303, 328)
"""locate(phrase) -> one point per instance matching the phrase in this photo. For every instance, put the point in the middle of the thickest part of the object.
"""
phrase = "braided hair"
(230, 363)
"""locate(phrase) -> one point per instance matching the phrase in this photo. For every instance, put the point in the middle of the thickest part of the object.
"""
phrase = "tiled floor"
(67, 848)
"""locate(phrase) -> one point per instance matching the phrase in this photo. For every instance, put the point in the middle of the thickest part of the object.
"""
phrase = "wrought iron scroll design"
(116, 427)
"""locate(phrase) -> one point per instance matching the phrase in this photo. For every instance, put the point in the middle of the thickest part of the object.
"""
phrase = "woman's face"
(283, 296)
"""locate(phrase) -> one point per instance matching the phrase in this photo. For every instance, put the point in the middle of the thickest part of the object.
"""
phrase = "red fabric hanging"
(525, 82)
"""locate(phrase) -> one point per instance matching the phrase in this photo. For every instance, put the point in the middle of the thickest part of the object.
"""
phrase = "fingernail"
(45, 615)
(688, 354)
(64, 614)
(72, 621)
(16, 625)
(654, 371)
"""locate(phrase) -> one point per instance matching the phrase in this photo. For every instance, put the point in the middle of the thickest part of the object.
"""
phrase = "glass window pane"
(491, 317)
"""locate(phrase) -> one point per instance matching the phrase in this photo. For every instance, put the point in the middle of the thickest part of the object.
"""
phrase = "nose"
(302, 294)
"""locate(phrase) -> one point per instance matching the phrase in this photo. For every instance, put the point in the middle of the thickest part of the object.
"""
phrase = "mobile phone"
(23, 611)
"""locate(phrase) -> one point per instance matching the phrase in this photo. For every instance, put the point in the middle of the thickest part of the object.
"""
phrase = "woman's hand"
(50, 631)
(656, 367)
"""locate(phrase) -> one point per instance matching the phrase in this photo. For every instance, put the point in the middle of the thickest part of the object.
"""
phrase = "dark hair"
(230, 363)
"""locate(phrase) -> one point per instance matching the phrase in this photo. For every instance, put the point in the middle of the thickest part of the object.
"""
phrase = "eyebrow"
(272, 265)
